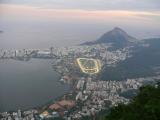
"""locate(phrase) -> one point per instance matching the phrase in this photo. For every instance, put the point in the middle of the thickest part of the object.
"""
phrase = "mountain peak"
(116, 31)
(117, 37)
(117, 28)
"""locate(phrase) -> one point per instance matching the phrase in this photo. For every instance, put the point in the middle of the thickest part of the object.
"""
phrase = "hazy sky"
(70, 22)
(92, 4)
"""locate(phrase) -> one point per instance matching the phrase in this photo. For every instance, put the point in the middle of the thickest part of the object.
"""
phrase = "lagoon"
(28, 84)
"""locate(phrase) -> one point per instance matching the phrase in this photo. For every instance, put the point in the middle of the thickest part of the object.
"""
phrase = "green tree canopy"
(145, 106)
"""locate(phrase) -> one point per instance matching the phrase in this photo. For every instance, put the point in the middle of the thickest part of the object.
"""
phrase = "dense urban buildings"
(79, 66)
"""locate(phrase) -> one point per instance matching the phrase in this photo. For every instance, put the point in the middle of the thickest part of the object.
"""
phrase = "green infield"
(89, 65)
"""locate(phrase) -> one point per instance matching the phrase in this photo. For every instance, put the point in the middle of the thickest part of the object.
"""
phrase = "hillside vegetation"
(145, 106)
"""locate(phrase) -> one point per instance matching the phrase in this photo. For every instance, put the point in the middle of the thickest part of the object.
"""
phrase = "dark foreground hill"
(145, 106)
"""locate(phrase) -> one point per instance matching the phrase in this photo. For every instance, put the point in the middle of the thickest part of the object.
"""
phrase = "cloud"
(91, 4)
(77, 14)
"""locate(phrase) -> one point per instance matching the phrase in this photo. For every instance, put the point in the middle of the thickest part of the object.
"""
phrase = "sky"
(92, 4)
(74, 21)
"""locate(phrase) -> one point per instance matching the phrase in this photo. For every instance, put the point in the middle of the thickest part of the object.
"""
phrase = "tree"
(145, 106)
